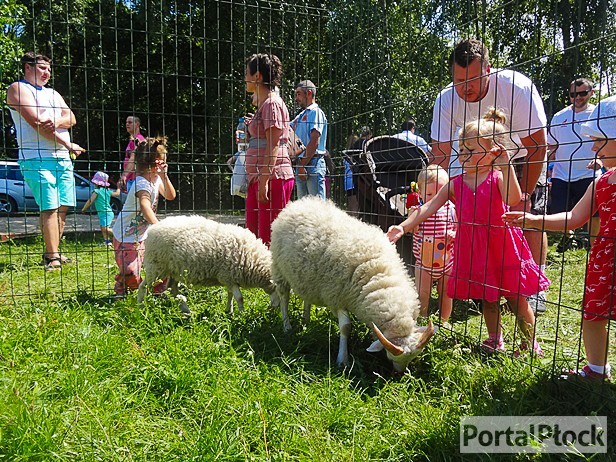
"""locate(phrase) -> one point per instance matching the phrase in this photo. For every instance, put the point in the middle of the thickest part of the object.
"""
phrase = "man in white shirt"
(408, 134)
(572, 153)
(476, 87)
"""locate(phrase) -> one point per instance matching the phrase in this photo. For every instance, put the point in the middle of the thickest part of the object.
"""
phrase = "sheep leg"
(344, 323)
(284, 293)
(229, 301)
(306, 312)
(173, 285)
(239, 298)
(142, 292)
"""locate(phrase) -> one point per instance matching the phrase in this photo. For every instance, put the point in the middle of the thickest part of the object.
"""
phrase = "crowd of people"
(479, 232)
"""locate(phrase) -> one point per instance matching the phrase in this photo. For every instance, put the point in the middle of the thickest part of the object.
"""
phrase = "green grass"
(83, 377)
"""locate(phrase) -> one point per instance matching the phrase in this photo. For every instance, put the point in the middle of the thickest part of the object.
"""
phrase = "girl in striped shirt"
(433, 243)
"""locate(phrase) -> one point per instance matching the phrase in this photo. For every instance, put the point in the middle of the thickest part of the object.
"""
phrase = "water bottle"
(240, 135)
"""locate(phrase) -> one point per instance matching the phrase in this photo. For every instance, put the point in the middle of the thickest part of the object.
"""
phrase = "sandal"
(52, 264)
(62, 259)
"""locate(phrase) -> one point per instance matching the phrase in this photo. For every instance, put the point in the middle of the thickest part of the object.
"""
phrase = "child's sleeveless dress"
(599, 296)
(490, 259)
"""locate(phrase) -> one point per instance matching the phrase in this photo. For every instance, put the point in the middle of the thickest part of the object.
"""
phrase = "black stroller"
(383, 172)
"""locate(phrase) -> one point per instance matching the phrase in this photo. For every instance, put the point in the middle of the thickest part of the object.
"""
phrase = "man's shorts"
(565, 194)
(51, 181)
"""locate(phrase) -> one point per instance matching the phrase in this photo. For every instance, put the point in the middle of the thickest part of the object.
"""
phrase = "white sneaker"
(537, 302)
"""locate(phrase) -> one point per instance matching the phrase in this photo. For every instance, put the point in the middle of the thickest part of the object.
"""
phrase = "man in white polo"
(476, 87)
(571, 153)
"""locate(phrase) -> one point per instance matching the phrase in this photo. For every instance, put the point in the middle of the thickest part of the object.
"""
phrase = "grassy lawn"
(84, 377)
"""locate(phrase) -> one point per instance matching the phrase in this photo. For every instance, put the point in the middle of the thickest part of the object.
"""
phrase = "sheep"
(329, 258)
(204, 253)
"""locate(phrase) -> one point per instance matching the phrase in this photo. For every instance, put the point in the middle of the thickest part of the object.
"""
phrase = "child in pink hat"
(101, 197)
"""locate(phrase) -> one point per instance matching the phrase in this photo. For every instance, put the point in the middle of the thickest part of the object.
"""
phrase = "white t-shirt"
(413, 138)
(574, 150)
(32, 145)
(511, 92)
(131, 225)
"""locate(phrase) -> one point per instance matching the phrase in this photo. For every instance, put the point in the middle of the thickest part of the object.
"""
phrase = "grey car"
(17, 197)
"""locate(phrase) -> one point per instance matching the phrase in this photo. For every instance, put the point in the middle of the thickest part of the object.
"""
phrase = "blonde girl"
(101, 198)
(490, 259)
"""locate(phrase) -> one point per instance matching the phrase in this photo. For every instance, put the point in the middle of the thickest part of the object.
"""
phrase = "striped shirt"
(433, 240)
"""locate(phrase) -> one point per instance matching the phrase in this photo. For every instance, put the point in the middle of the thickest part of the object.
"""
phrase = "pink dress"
(600, 287)
(490, 259)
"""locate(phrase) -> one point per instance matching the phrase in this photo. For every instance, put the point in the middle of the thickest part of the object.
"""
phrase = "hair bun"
(496, 115)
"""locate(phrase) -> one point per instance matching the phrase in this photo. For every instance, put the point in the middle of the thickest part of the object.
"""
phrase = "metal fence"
(179, 67)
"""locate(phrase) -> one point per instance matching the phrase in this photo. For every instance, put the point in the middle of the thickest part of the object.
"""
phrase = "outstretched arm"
(565, 221)
(87, 205)
(420, 214)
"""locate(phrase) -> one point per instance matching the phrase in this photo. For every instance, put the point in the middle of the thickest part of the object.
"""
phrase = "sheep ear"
(375, 347)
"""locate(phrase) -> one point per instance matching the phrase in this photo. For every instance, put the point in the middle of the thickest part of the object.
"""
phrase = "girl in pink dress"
(600, 285)
(490, 260)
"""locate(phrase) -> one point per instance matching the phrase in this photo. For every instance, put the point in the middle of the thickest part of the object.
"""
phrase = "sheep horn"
(393, 349)
(426, 336)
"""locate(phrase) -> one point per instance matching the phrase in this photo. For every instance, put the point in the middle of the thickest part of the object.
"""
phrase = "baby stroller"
(383, 171)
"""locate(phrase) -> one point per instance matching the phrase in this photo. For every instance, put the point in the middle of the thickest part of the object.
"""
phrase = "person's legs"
(50, 227)
(280, 192)
(252, 207)
(301, 186)
(423, 282)
(595, 337)
(445, 302)
(315, 184)
(129, 258)
(491, 315)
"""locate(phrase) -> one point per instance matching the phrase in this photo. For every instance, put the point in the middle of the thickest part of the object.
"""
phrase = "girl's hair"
(431, 174)
(149, 151)
(269, 66)
(490, 126)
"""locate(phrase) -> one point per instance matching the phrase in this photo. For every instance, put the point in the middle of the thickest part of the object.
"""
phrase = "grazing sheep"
(204, 253)
(331, 259)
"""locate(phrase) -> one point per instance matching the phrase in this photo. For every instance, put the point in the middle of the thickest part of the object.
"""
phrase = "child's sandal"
(53, 263)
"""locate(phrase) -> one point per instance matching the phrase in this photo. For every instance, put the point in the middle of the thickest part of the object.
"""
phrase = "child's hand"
(161, 166)
(394, 233)
(595, 164)
(499, 156)
(522, 220)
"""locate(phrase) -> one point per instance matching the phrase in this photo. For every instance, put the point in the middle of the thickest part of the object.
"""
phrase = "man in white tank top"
(42, 120)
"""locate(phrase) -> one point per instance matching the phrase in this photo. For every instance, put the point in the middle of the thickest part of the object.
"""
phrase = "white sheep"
(331, 259)
(205, 253)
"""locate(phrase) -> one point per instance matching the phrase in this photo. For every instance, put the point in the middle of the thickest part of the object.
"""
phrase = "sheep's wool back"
(205, 252)
(332, 259)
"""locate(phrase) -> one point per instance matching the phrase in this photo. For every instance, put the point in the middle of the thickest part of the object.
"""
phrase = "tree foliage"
(180, 64)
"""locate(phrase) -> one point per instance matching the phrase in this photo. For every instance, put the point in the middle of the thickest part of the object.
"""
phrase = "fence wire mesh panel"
(129, 70)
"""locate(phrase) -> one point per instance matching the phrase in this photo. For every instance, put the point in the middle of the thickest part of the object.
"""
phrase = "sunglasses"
(579, 93)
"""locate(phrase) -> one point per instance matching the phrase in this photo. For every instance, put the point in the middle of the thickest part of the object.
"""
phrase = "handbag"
(239, 179)
(296, 147)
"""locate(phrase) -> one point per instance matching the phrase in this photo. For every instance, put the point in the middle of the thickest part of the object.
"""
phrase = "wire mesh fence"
(177, 69)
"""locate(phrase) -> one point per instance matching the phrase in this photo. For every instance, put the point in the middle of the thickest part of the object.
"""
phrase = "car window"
(11, 172)
(14, 173)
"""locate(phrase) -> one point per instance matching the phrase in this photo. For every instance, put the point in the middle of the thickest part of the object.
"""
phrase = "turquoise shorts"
(51, 181)
(105, 219)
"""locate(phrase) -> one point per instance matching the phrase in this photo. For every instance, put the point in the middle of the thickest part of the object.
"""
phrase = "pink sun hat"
(101, 179)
